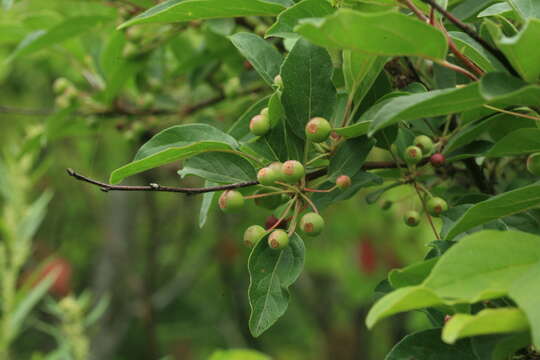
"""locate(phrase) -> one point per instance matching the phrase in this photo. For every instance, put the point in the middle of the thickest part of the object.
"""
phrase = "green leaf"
(219, 168)
(308, 90)
(29, 224)
(206, 204)
(41, 39)
(271, 273)
(427, 345)
(486, 322)
(265, 59)
(173, 144)
(275, 109)
(238, 354)
(505, 204)
(403, 299)
(177, 10)
(502, 89)
(357, 129)
(524, 291)
(375, 33)
(288, 19)
(519, 142)
(416, 106)
(526, 8)
(360, 71)
(521, 50)
(411, 275)
(349, 157)
(240, 129)
(474, 51)
(499, 347)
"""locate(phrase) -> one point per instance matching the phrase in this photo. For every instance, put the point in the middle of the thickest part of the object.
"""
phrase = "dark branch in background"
(469, 30)
(192, 191)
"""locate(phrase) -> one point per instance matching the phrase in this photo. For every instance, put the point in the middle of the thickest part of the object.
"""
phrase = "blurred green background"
(174, 290)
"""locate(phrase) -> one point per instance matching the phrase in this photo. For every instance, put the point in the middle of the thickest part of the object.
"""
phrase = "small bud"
(343, 182)
(318, 129)
(411, 218)
(231, 200)
(264, 111)
(278, 239)
(533, 164)
(424, 143)
(413, 155)
(278, 81)
(253, 235)
(259, 125)
(312, 224)
(292, 171)
(437, 160)
(436, 206)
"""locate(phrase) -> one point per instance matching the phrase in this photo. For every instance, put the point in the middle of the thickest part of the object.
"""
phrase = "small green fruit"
(259, 125)
(424, 143)
(533, 164)
(292, 171)
(231, 200)
(278, 81)
(278, 239)
(413, 155)
(264, 111)
(312, 224)
(436, 206)
(343, 182)
(277, 167)
(318, 129)
(267, 176)
(411, 218)
(253, 235)
(268, 202)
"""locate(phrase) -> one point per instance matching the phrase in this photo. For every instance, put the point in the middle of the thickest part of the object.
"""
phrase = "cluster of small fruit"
(423, 147)
(283, 184)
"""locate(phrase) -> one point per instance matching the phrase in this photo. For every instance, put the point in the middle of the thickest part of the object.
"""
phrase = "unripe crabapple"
(312, 224)
(231, 200)
(278, 239)
(292, 171)
(424, 143)
(318, 129)
(267, 176)
(253, 235)
(411, 218)
(259, 125)
(343, 182)
(413, 155)
(436, 206)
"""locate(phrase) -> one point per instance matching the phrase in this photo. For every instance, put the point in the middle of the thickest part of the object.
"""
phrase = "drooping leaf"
(308, 90)
(70, 28)
(288, 19)
(427, 345)
(411, 275)
(524, 292)
(473, 50)
(526, 8)
(375, 33)
(177, 10)
(499, 347)
(360, 71)
(173, 144)
(207, 199)
(519, 142)
(219, 168)
(350, 157)
(265, 59)
(486, 322)
(272, 273)
(505, 204)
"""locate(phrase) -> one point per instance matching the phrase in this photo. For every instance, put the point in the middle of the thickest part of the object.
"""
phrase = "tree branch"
(472, 33)
(192, 191)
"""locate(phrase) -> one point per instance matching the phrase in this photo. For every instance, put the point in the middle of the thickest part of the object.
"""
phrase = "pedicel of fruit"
(253, 235)
(268, 202)
(278, 239)
(318, 129)
(436, 206)
(411, 218)
(312, 224)
(259, 125)
(292, 171)
(343, 182)
(424, 143)
(413, 155)
(231, 200)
